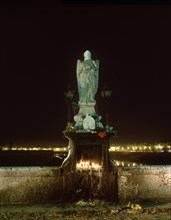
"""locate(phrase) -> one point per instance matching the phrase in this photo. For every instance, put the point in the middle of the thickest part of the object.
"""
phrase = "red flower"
(102, 134)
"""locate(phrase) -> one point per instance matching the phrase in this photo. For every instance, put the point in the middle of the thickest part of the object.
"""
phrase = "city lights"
(141, 148)
(113, 148)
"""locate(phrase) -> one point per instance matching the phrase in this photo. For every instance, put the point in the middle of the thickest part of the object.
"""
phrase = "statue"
(87, 72)
(87, 78)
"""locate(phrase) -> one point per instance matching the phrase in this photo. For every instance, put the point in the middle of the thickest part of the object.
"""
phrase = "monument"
(87, 72)
(88, 147)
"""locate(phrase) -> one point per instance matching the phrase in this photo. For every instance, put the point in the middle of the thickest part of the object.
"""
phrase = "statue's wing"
(79, 67)
(78, 71)
(97, 74)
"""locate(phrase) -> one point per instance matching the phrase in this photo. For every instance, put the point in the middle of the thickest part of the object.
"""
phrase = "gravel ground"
(87, 210)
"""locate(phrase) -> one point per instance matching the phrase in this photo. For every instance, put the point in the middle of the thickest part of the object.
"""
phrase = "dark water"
(49, 158)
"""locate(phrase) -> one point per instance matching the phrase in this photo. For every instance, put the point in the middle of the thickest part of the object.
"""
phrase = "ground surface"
(87, 210)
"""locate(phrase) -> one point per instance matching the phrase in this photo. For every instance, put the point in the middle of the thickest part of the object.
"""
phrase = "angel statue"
(87, 78)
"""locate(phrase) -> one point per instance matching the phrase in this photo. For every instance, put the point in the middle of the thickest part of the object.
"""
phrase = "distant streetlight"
(106, 94)
(69, 93)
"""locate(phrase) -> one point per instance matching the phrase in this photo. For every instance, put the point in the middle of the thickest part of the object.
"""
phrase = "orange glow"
(102, 134)
(87, 165)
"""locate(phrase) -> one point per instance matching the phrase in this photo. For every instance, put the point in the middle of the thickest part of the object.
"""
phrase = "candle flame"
(87, 165)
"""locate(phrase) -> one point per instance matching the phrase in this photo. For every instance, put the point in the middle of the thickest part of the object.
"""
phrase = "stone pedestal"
(88, 146)
(90, 182)
(87, 108)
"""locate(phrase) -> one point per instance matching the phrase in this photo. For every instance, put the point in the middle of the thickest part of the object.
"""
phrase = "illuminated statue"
(87, 78)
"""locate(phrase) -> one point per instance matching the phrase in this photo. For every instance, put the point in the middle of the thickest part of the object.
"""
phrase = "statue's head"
(87, 55)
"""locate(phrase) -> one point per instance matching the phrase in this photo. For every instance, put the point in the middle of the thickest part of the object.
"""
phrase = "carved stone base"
(89, 184)
(87, 108)
(84, 110)
(89, 146)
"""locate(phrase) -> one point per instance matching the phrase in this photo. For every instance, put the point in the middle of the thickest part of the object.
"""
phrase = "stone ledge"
(44, 184)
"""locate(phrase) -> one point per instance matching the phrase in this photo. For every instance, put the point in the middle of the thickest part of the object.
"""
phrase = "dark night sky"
(40, 43)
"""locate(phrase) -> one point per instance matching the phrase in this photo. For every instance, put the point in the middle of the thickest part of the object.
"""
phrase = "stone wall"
(29, 184)
(144, 183)
(47, 184)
